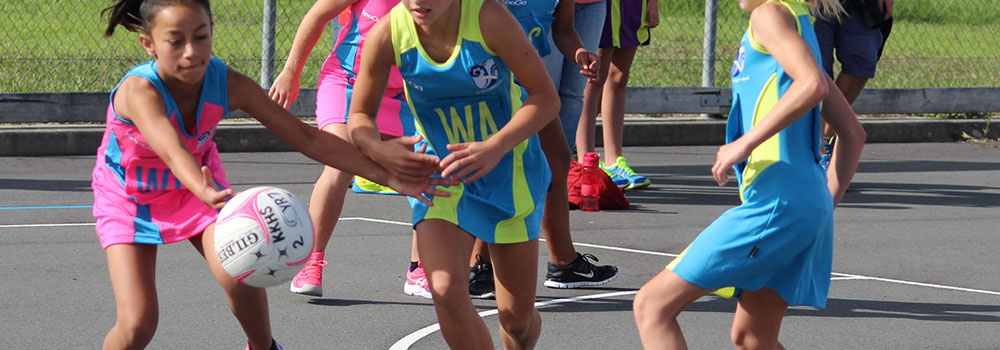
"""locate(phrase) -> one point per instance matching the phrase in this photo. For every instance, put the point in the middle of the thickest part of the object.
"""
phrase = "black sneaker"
(580, 273)
(481, 280)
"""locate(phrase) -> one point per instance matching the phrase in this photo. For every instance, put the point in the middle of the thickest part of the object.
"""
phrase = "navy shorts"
(857, 47)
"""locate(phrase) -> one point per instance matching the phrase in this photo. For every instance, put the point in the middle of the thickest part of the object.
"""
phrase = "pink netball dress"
(137, 199)
(336, 79)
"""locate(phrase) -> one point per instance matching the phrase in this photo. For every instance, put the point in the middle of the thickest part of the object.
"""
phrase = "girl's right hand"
(398, 157)
(209, 194)
(285, 89)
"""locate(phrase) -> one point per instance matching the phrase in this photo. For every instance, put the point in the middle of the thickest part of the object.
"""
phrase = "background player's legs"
(758, 320)
(325, 206)
(133, 279)
(249, 304)
(656, 307)
(613, 102)
(327, 200)
(514, 268)
(555, 221)
(444, 250)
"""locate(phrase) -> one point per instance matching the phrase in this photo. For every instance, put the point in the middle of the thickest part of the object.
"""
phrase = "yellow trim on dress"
(769, 151)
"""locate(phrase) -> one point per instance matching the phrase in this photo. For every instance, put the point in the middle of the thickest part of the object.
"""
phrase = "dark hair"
(136, 15)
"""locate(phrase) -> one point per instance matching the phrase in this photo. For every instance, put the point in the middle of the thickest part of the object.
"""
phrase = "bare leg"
(656, 307)
(514, 271)
(758, 320)
(133, 279)
(414, 252)
(327, 200)
(444, 249)
(248, 304)
(613, 102)
(481, 249)
(592, 92)
(555, 220)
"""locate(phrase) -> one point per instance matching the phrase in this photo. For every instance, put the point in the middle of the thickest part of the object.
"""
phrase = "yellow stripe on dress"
(515, 230)
(727, 292)
(769, 151)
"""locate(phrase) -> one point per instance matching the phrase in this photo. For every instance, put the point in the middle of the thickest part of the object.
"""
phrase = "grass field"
(56, 45)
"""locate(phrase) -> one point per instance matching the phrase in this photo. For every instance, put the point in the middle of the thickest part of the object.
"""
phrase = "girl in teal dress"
(776, 248)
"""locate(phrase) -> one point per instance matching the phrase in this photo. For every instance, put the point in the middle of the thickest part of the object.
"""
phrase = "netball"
(263, 236)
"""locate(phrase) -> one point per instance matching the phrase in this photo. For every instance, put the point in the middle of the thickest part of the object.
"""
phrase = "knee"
(520, 323)
(136, 332)
(744, 339)
(649, 308)
(446, 290)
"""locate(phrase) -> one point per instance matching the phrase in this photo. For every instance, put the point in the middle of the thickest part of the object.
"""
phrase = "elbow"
(817, 89)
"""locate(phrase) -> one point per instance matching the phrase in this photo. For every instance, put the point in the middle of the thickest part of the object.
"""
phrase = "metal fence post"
(708, 50)
(267, 44)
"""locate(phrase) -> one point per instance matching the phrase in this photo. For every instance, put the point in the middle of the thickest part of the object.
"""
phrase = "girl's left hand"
(469, 161)
(728, 155)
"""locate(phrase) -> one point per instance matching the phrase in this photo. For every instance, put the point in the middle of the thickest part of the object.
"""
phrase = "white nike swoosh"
(585, 275)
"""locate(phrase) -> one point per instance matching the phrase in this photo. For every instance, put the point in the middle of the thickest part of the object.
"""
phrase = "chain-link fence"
(56, 45)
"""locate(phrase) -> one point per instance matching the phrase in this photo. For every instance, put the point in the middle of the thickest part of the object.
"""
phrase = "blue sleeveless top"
(468, 98)
(536, 18)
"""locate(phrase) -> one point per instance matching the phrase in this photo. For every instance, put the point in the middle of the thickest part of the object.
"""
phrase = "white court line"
(414, 337)
(410, 339)
(48, 225)
(839, 276)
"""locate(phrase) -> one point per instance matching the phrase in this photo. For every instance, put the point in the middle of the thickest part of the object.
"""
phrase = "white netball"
(263, 236)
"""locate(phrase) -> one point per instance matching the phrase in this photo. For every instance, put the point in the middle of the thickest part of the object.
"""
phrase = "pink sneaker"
(309, 281)
(416, 283)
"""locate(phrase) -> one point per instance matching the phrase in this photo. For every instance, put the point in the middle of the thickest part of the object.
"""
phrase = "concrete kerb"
(59, 140)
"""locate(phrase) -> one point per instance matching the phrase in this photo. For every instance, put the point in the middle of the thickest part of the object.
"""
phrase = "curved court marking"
(414, 337)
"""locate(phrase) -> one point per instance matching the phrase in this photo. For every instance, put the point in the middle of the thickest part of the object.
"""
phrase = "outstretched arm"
(285, 89)
(397, 154)
(324, 147)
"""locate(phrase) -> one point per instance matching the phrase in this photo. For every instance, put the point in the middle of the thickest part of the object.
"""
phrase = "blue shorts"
(857, 46)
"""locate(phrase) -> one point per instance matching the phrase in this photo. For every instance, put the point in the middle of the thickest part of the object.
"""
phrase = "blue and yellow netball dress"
(535, 17)
(468, 98)
(781, 237)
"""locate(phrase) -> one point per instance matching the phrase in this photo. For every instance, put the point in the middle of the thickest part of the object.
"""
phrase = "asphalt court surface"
(916, 261)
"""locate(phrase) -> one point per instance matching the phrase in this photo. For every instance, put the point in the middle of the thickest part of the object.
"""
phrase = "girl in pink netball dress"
(158, 178)
(336, 85)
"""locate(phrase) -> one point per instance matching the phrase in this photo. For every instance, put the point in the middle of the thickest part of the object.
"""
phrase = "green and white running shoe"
(621, 169)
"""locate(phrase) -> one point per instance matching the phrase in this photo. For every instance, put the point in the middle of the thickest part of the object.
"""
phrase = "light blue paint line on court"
(49, 207)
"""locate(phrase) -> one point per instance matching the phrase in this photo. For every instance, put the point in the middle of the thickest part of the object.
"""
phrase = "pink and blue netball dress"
(781, 237)
(336, 78)
(137, 199)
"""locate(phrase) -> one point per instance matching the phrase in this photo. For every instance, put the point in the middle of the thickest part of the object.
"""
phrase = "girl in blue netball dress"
(776, 248)
(458, 60)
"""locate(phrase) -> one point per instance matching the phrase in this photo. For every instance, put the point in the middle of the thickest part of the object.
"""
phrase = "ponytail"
(135, 15)
(126, 13)
(830, 9)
